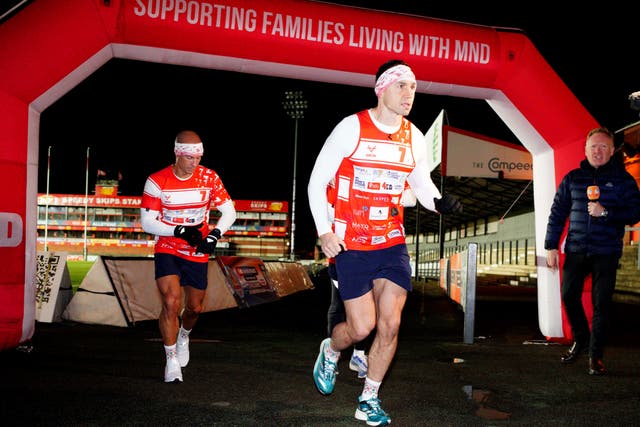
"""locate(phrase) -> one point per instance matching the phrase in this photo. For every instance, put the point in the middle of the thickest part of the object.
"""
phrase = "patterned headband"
(392, 75)
(181, 149)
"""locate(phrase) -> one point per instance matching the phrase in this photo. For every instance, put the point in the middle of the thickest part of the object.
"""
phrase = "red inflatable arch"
(50, 46)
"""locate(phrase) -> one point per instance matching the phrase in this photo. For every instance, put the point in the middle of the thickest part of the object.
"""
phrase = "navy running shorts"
(191, 273)
(358, 269)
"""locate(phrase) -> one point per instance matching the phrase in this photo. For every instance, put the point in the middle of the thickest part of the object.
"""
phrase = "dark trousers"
(336, 313)
(603, 269)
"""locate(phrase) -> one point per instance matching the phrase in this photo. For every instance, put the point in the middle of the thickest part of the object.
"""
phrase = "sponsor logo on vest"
(394, 234)
(378, 240)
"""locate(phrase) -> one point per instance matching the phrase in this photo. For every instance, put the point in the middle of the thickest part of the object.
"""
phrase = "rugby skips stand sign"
(49, 46)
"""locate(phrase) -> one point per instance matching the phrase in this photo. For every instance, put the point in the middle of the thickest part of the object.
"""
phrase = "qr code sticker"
(46, 270)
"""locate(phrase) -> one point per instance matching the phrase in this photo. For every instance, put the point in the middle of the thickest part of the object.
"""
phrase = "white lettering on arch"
(10, 229)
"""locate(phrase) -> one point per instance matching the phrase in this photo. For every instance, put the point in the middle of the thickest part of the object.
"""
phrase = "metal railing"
(509, 252)
(504, 252)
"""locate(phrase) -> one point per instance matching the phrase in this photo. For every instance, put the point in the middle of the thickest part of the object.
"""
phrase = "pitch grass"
(77, 271)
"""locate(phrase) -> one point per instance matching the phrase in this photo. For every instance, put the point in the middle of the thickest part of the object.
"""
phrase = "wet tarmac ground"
(252, 367)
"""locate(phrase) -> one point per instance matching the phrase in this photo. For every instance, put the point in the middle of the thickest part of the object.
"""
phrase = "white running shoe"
(182, 349)
(172, 371)
(359, 363)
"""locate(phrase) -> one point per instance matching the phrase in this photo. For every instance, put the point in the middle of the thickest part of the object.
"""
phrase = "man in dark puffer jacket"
(594, 240)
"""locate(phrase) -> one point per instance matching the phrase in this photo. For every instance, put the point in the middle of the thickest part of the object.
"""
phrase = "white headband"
(181, 149)
(392, 75)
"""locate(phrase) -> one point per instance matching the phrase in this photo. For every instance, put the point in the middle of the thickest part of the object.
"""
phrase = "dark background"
(128, 112)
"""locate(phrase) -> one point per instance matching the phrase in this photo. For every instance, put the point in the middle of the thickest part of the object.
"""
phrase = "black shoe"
(596, 367)
(573, 353)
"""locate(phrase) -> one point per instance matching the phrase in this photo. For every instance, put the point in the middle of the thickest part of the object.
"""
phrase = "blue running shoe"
(371, 412)
(324, 371)
(359, 364)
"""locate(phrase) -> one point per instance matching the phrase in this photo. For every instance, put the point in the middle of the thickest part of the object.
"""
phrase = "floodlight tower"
(294, 105)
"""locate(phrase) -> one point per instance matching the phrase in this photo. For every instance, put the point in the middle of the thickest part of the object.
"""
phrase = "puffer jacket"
(589, 235)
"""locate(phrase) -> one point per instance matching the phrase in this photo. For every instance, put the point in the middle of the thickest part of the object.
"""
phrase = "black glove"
(190, 233)
(448, 204)
(208, 244)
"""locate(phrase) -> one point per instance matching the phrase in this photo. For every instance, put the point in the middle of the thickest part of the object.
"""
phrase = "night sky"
(128, 112)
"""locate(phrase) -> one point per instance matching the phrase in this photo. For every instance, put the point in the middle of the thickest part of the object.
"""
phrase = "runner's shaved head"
(188, 137)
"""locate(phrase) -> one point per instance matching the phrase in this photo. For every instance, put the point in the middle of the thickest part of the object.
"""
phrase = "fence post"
(469, 294)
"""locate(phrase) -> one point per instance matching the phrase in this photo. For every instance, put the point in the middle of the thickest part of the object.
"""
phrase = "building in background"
(113, 226)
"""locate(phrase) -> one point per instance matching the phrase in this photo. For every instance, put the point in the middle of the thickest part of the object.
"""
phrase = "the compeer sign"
(473, 155)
